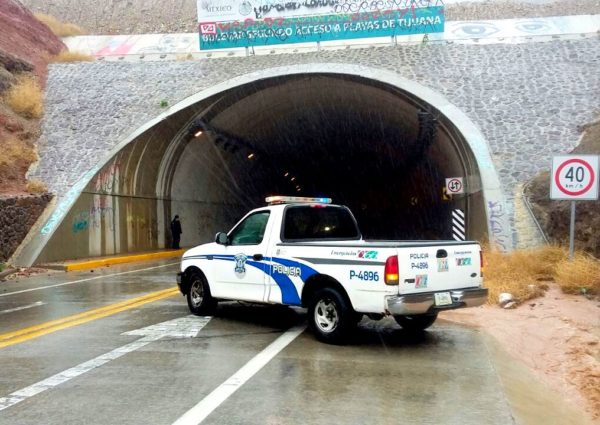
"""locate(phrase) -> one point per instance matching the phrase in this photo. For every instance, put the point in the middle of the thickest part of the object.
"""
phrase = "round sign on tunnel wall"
(455, 186)
(574, 177)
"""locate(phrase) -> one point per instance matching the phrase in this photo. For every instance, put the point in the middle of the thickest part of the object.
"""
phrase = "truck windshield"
(317, 223)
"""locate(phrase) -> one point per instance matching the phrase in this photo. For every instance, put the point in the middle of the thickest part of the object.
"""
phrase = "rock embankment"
(17, 215)
(554, 216)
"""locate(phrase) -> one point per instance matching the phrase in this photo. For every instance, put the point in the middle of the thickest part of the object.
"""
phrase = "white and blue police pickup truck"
(307, 252)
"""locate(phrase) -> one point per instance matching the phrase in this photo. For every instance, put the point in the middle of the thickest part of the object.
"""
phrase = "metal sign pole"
(572, 232)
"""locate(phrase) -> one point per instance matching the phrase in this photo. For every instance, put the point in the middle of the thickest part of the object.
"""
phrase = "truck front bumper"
(425, 302)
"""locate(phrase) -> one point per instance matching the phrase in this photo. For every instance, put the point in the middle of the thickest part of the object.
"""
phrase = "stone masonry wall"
(17, 215)
(527, 99)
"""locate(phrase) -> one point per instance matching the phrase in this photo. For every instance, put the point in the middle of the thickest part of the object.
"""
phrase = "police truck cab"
(308, 252)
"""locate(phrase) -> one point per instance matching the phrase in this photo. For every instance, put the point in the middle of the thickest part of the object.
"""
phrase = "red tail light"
(392, 272)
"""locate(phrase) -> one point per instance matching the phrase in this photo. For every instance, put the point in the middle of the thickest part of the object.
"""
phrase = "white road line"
(86, 280)
(209, 403)
(178, 328)
(10, 310)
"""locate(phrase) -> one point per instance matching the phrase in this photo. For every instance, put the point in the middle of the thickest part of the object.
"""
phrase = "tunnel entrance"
(363, 144)
(372, 146)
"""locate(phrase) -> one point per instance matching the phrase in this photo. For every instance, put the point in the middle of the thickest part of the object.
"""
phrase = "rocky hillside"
(26, 45)
(554, 216)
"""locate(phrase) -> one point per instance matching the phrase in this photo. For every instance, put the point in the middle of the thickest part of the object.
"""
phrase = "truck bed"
(378, 243)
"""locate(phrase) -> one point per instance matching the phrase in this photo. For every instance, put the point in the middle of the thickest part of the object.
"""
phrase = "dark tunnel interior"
(372, 146)
(365, 145)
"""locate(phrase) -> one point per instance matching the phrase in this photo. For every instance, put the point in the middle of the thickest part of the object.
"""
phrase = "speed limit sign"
(574, 177)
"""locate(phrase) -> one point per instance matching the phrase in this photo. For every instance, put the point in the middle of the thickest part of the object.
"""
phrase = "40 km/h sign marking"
(575, 177)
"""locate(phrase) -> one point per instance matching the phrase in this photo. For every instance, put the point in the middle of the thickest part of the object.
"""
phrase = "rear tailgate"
(441, 268)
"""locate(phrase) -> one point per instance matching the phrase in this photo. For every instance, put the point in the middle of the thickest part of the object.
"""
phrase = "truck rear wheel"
(199, 299)
(330, 316)
(417, 322)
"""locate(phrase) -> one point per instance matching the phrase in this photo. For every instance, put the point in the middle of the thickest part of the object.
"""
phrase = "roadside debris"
(505, 298)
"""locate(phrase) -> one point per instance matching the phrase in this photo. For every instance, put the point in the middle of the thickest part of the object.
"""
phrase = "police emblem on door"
(240, 263)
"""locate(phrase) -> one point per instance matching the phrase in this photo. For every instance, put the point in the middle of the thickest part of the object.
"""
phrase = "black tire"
(417, 322)
(199, 299)
(331, 317)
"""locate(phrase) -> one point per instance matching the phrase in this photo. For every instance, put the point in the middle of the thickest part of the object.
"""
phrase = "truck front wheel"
(199, 299)
(417, 322)
(330, 316)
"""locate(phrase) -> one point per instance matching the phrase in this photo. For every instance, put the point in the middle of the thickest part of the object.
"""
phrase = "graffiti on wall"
(107, 180)
(498, 218)
(65, 204)
(145, 224)
(100, 212)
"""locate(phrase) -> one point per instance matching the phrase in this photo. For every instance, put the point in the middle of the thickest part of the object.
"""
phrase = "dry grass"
(184, 57)
(582, 275)
(521, 273)
(14, 151)
(66, 56)
(36, 186)
(60, 29)
(25, 97)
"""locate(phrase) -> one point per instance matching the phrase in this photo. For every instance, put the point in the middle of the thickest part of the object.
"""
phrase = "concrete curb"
(109, 261)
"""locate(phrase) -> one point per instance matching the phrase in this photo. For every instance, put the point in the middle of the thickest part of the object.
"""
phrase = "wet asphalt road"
(448, 375)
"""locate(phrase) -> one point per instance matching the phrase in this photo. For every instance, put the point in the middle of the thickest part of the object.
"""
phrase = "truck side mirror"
(221, 238)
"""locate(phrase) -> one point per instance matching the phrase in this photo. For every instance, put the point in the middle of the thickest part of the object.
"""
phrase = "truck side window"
(310, 223)
(250, 231)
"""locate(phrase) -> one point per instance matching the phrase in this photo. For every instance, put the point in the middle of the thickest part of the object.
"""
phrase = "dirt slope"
(25, 38)
(554, 216)
(25, 47)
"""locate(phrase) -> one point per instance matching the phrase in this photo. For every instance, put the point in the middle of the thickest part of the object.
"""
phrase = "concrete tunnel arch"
(125, 203)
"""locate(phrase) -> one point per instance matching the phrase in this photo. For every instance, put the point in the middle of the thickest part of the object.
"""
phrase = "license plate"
(442, 298)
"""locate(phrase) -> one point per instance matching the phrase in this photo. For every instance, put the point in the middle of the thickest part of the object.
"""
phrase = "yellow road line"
(25, 334)
(99, 262)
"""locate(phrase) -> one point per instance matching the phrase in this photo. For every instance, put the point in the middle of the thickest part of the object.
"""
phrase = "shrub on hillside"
(60, 29)
(14, 151)
(36, 186)
(25, 97)
(66, 56)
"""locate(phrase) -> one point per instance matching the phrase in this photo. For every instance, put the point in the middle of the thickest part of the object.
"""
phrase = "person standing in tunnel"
(176, 231)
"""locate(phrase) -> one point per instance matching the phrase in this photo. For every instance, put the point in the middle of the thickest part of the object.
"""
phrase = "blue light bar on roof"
(275, 200)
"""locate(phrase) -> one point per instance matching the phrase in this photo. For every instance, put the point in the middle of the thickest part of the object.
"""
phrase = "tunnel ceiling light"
(286, 174)
(198, 133)
(251, 156)
(293, 178)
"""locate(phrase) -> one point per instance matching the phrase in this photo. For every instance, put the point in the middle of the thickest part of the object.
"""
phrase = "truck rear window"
(317, 223)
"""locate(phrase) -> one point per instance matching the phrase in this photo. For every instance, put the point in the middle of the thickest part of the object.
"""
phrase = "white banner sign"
(240, 10)
(224, 24)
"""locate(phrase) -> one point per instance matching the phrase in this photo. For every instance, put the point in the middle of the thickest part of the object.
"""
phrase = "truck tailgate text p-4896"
(308, 252)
